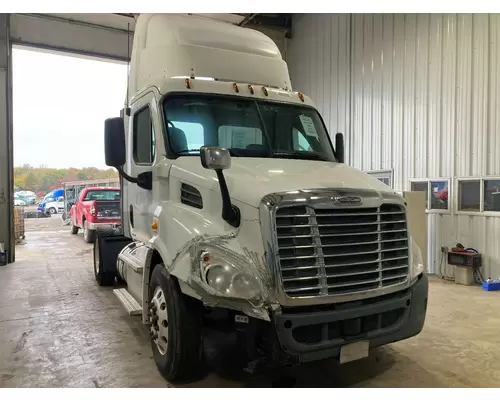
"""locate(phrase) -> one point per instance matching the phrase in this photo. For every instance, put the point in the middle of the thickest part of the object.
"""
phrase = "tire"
(52, 211)
(181, 355)
(101, 277)
(74, 229)
(88, 234)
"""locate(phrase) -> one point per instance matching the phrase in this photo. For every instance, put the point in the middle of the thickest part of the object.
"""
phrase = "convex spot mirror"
(216, 158)
(114, 142)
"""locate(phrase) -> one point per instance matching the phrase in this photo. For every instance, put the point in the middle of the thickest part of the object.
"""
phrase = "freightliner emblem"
(347, 200)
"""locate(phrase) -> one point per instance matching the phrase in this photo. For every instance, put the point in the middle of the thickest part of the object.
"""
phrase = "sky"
(59, 104)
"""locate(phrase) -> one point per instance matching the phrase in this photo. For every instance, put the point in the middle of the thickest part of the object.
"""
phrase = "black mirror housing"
(145, 180)
(114, 142)
(339, 147)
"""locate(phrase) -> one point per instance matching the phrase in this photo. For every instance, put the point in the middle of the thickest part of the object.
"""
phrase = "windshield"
(247, 127)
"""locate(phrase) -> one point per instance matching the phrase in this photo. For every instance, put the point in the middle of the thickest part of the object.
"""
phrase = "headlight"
(220, 272)
(417, 266)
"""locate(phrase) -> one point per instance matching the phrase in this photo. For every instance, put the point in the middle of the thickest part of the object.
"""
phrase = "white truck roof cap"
(169, 45)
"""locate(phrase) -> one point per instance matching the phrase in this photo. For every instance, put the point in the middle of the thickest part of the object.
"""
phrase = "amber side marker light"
(264, 90)
(250, 89)
(188, 83)
(301, 97)
(235, 87)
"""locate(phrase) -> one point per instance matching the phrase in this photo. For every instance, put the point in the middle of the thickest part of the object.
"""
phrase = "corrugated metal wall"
(424, 101)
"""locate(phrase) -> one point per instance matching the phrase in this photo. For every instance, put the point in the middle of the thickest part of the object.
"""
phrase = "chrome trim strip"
(322, 199)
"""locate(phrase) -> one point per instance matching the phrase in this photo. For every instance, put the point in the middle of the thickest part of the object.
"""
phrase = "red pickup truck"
(95, 206)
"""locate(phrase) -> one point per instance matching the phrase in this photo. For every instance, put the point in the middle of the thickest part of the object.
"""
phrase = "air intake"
(191, 196)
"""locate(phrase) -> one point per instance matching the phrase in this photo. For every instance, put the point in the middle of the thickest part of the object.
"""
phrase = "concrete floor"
(59, 329)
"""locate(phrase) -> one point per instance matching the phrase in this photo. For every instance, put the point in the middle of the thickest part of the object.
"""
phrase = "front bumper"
(319, 333)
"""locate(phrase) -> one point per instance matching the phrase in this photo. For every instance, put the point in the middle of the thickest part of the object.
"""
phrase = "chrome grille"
(341, 251)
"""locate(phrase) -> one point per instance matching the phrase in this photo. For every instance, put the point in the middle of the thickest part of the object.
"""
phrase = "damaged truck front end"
(333, 274)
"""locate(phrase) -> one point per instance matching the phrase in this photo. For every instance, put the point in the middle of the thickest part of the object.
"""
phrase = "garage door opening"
(60, 102)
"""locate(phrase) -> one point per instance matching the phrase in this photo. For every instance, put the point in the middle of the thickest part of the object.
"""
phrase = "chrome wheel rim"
(158, 318)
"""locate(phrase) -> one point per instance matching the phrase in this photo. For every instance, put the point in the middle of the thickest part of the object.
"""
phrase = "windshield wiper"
(302, 155)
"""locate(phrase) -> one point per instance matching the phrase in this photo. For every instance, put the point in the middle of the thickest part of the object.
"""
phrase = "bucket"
(3, 258)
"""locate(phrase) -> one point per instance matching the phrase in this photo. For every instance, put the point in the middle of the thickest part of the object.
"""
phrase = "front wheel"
(176, 329)
(52, 211)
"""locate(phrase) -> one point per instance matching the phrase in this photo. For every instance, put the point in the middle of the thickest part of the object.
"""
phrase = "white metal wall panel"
(494, 96)
(425, 102)
(318, 57)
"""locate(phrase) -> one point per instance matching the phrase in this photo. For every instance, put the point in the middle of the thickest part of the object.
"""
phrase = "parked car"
(53, 206)
(95, 207)
(27, 196)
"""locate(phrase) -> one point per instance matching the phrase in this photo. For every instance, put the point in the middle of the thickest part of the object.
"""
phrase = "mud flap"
(110, 245)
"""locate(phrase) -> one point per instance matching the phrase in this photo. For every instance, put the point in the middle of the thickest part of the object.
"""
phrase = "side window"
(300, 142)
(195, 136)
(239, 137)
(307, 138)
(144, 138)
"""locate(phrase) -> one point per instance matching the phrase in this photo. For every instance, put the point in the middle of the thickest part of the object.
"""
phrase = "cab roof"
(167, 46)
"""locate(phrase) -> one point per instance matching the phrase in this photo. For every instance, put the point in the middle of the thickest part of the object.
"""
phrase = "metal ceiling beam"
(247, 19)
(283, 21)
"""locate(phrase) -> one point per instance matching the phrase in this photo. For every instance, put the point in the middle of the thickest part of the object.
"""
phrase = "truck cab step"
(129, 303)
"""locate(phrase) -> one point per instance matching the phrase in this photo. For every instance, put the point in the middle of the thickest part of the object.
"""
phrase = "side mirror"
(339, 147)
(217, 158)
(114, 142)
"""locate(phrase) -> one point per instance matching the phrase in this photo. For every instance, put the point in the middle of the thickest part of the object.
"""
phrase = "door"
(141, 158)
(78, 211)
(60, 204)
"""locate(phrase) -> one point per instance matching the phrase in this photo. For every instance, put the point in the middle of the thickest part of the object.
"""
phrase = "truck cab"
(236, 202)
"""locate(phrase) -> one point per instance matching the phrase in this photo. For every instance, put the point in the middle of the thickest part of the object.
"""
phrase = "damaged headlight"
(417, 266)
(224, 274)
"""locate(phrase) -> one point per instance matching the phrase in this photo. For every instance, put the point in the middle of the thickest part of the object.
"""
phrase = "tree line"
(44, 179)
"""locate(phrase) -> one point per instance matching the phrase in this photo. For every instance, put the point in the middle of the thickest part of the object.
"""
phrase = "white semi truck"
(238, 212)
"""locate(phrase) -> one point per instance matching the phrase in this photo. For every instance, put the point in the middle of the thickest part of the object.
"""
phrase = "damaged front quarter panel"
(187, 267)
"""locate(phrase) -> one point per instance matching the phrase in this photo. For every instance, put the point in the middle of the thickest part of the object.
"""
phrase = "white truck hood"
(250, 179)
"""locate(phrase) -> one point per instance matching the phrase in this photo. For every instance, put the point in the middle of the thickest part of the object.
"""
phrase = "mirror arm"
(230, 213)
(125, 176)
